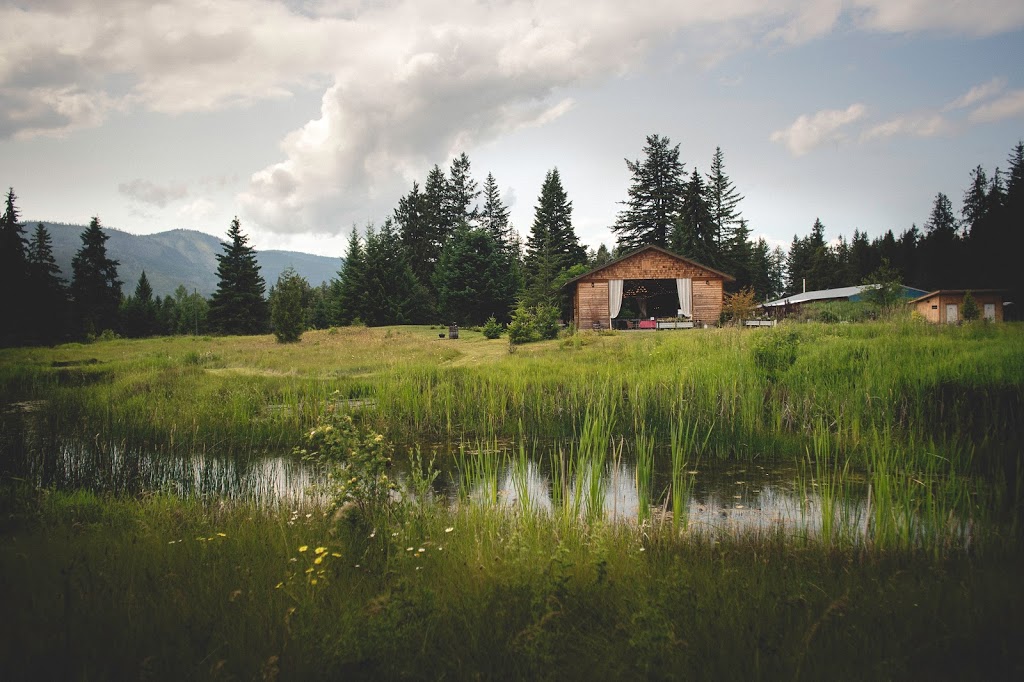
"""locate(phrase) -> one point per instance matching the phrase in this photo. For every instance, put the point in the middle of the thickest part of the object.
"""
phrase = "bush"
(523, 328)
(546, 321)
(492, 328)
(970, 308)
(775, 352)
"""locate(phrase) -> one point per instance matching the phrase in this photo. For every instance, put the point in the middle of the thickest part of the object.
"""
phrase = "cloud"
(923, 125)
(1010, 105)
(974, 18)
(146, 192)
(198, 211)
(809, 132)
(405, 83)
(977, 94)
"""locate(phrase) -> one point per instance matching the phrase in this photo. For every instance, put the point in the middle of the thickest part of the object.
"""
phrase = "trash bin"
(453, 331)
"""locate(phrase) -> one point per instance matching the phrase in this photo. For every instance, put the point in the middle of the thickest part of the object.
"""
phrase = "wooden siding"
(590, 300)
(592, 304)
(933, 308)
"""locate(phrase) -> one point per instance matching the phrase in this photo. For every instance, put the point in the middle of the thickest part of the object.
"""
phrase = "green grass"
(921, 581)
(101, 587)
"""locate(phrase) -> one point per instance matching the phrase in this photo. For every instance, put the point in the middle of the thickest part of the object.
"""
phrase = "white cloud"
(811, 131)
(406, 82)
(147, 192)
(200, 210)
(1010, 105)
(960, 17)
(977, 94)
(923, 125)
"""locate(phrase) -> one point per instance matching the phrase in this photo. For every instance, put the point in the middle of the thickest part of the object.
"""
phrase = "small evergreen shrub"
(492, 328)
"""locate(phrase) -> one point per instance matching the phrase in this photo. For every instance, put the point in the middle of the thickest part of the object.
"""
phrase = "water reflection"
(742, 499)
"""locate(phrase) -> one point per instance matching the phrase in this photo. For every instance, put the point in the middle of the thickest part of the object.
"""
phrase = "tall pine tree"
(350, 300)
(693, 235)
(723, 199)
(47, 293)
(655, 196)
(552, 246)
(95, 288)
(13, 275)
(238, 306)
(474, 279)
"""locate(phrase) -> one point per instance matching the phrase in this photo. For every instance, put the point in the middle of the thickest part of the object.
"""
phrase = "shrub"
(523, 328)
(492, 328)
(546, 321)
(970, 308)
(775, 352)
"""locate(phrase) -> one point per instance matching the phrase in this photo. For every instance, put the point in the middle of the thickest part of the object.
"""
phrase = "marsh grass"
(919, 580)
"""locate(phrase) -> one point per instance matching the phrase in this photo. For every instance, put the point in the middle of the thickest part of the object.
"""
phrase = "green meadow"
(462, 503)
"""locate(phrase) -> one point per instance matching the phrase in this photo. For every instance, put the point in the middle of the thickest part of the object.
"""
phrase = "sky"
(305, 118)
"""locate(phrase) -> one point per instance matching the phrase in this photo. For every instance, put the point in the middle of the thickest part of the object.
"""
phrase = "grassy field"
(102, 585)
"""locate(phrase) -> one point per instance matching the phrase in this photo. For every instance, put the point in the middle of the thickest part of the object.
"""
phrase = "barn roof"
(830, 294)
(651, 247)
(956, 292)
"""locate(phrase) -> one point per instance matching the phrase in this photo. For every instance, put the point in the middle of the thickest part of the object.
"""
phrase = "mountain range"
(178, 258)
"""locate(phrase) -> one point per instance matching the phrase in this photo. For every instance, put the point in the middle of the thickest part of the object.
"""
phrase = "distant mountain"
(178, 257)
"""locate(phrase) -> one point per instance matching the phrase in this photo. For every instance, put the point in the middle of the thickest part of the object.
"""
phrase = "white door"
(951, 313)
(990, 312)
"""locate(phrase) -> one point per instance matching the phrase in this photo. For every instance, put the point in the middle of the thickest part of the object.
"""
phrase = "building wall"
(933, 308)
(591, 297)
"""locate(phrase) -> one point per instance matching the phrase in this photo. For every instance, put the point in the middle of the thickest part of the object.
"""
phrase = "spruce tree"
(139, 312)
(391, 293)
(461, 196)
(494, 217)
(943, 264)
(419, 237)
(95, 288)
(552, 246)
(655, 196)
(693, 234)
(286, 306)
(238, 305)
(349, 292)
(47, 293)
(723, 199)
(13, 276)
(474, 278)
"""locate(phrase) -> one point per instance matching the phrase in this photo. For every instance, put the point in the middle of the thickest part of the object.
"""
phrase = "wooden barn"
(649, 288)
(945, 306)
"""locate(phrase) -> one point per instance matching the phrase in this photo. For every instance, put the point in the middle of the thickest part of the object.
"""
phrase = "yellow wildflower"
(303, 548)
(319, 550)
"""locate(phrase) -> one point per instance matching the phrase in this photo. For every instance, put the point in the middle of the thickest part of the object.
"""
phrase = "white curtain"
(684, 287)
(614, 299)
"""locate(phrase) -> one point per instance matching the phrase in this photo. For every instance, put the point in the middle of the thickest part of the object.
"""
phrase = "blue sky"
(306, 117)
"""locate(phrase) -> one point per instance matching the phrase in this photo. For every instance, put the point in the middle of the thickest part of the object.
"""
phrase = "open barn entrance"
(644, 300)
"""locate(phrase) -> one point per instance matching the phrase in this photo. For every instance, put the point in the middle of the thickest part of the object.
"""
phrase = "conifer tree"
(349, 293)
(940, 245)
(47, 293)
(139, 312)
(474, 278)
(238, 305)
(494, 217)
(694, 232)
(392, 294)
(286, 306)
(95, 288)
(419, 237)
(461, 196)
(13, 275)
(552, 245)
(655, 196)
(723, 199)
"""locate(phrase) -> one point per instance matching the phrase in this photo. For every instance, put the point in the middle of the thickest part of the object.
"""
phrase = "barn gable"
(670, 281)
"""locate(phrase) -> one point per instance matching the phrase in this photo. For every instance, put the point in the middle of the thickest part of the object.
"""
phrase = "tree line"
(973, 250)
(449, 253)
